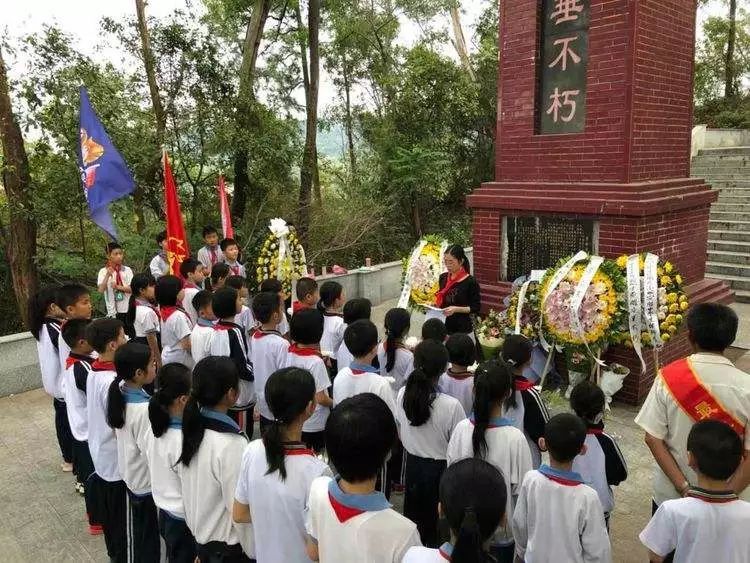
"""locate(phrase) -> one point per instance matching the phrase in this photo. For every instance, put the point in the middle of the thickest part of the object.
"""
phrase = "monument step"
(730, 215)
(733, 199)
(710, 157)
(737, 283)
(724, 151)
(716, 234)
(722, 185)
(741, 296)
(729, 257)
(721, 206)
(719, 167)
(741, 226)
(729, 269)
(735, 191)
(723, 176)
(728, 246)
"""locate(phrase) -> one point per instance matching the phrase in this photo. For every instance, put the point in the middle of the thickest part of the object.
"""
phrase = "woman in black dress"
(458, 296)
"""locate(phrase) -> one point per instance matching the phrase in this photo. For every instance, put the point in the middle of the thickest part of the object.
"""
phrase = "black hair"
(219, 271)
(236, 282)
(288, 392)
(461, 350)
(329, 292)
(587, 401)
(493, 381)
(361, 337)
(201, 299)
(209, 230)
(224, 302)
(430, 361)
(564, 434)
(227, 242)
(397, 324)
(69, 294)
(113, 246)
(265, 304)
(516, 353)
(161, 237)
(138, 284)
(74, 330)
(712, 326)
(129, 358)
(306, 326)
(174, 382)
(271, 285)
(38, 305)
(189, 266)
(457, 251)
(473, 497)
(360, 433)
(101, 332)
(434, 329)
(717, 449)
(357, 309)
(305, 287)
(213, 377)
(167, 289)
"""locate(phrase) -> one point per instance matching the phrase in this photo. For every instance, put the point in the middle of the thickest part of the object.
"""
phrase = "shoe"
(96, 529)
(80, 488)
(66, 467)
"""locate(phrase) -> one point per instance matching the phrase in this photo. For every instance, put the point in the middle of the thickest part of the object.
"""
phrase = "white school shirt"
(173, 330)
(374, 534)
(344, 358)
(357, 379)
(245, 319)
(705, 527)
(204, 256)
(460, 386)
(102, 441)
(76, 378)
(558, 518)
(163, 453)
(133, 441)
(333, 334)
(200, 339)
(114, 306)
(530, 416)
(402, 367)
(48, 350)
(313, 363)
(230, 341)
(187, 302)
(277, 507)
(664, 419)
(601, 466)
(420, 554)
(268, 353)
(158, 267)
(146, 320)
(283, 326)
(507, 450)
(430, 440)
(235, 268)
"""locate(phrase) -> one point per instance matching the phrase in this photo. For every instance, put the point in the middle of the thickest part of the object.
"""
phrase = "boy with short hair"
(231, 250)
(193, 273)
(711, 523)
(74, 300)
(268, 349)
(113, 281)
(210, 254)
(245, 317)
(347, 520)
(557, 517)
(203, 330)
(354, 310)
(307, 295)
(458, 381)
(434, 329)
(274, 286)
(159, 266)
(361, 337)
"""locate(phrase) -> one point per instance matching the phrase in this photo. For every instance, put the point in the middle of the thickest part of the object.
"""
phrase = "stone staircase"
(728, 171)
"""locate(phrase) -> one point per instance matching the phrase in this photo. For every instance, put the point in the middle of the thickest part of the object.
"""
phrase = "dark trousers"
(84, 469)
(264, 423)
(62, 427)
(123, 318)
(654, 507)
(220, 552)
(503, 553)
(111, 511)
(422, 496)
(244, 417)
(143, 527)
(315, 440)
(178, 539)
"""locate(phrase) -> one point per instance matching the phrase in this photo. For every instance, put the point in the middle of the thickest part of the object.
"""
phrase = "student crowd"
(154, 405)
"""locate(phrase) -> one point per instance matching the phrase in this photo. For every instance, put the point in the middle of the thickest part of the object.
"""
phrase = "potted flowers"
(490, 333)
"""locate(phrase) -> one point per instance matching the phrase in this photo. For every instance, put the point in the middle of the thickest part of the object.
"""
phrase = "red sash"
(693, 397)
(449, 283)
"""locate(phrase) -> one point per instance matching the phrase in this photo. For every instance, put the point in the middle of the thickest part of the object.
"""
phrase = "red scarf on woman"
(450, 283)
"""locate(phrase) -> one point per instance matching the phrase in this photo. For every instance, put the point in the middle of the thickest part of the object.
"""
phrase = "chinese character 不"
(566, 11)
(704, 410)
(561, 100)
(566, 50)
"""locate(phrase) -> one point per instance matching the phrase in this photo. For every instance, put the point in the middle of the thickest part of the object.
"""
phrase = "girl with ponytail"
(394, 358)
(209, 464)
(278, 470)
(143, 317)
(426, 419)
(489, 435)
(165, 410)
(332, 299)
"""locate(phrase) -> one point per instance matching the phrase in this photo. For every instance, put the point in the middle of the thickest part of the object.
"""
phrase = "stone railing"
(704, 138)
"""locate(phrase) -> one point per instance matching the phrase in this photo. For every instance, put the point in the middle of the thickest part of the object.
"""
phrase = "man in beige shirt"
(711, 329)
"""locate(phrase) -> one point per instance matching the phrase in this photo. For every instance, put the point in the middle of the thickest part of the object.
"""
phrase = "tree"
(730, 85)
(20, 235)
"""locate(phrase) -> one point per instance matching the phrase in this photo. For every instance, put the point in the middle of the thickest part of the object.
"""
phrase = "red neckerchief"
(296, 448)
(451, 281)
(522, 384)
(296, 350)
(99, 365)
(343, 512)
(298, 306)
(225, 325)
(168, 311)
(235, 269)
(595, 428)
(213, 253)
(713, 497)
(190, 285)
(117, 268)
(260, 333)
(331, 314)
(75, 359)
(144, 303)
(460, 375)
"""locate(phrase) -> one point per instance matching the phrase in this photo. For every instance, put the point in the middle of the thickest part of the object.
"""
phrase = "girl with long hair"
(395, 359)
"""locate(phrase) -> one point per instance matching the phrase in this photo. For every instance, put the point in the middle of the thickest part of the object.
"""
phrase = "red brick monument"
(593, 148)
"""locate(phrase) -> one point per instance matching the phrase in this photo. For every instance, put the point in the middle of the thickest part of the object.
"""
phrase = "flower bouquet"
(490, 333)
(529, 312)
(281, 256)
(421, 273)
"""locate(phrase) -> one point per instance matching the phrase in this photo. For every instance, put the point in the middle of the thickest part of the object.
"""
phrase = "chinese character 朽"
(566, 11)
(561, 100)
(566, 50)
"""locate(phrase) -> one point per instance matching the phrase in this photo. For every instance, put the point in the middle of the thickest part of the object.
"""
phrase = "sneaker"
(79, 488)
(96, 529)
(66, 467)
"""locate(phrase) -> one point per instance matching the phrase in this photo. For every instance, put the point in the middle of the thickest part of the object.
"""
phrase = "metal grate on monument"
(538, 242)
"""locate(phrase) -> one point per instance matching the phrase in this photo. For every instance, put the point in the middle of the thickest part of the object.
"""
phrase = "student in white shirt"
(231, 250)
(143, 315)
(203, 331)
(347, 520)
(394, 358)
(354, 310)
(426, 419)
(127, 413)
(277, 471)
(210, 254)
(175, 322)
(193, 273)
(219, 274)
(274, 286)
(472, 500)
(711, 522)
(268, 350)
(245, 317)
(557, 517)
(434, 329)
(306, 330)
(165, 411)
(105, 336)
(209, 465)
(488, 435)
(113, 281)
(458, 381)
(332, 299)
(159, 266)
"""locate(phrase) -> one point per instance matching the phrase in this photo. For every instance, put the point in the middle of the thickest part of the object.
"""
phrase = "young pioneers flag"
(177, 249)
(104, 174)
(226, 218)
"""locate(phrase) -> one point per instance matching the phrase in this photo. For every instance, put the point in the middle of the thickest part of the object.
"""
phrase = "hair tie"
(510, 361)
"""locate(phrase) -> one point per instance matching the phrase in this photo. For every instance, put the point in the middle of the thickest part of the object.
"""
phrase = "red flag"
(226, 218)
(177, 249)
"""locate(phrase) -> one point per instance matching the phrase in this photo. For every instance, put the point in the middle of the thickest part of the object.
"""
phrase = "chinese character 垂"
(566, 11)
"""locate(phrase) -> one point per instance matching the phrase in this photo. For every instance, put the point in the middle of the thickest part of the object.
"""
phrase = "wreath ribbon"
(651, 298)
(403, 301)
(635, 306)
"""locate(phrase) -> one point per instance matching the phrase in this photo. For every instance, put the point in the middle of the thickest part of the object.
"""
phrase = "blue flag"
(104, 174)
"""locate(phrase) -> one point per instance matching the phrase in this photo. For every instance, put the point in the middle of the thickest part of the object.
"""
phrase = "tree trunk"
(459, 42)
(729, 77)
(20, 241)
(416, 217)
(348, 120)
